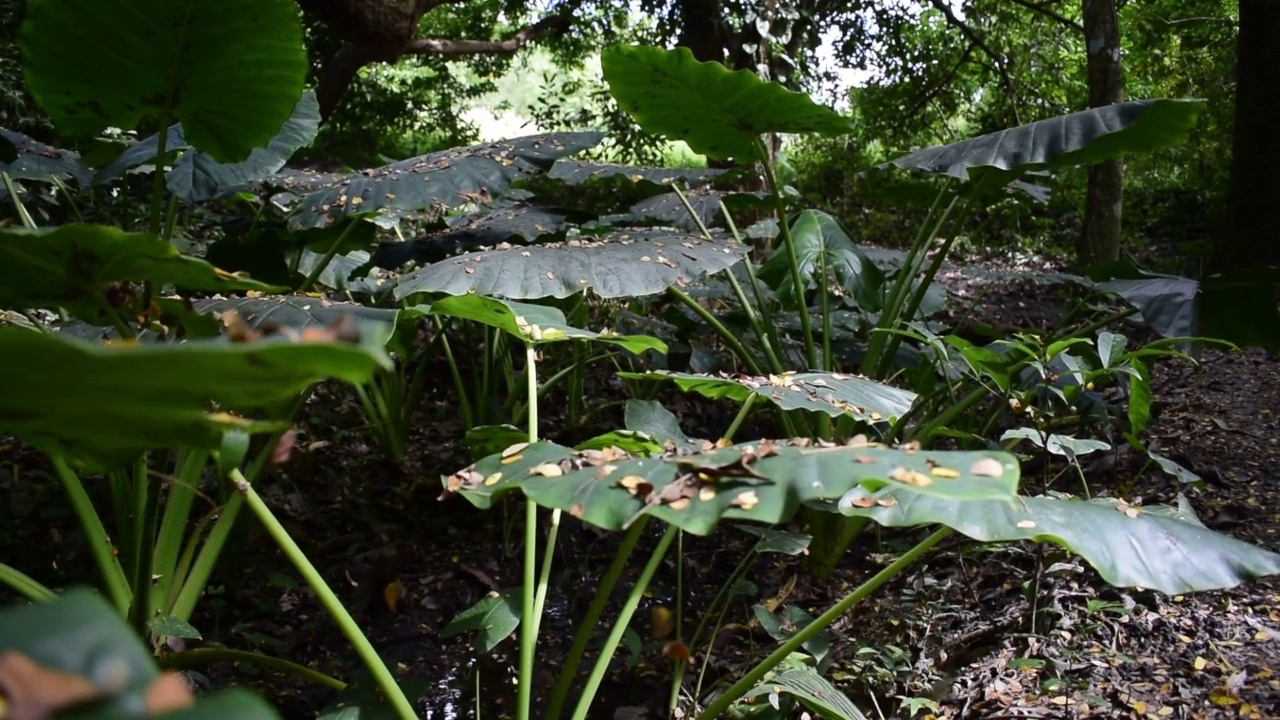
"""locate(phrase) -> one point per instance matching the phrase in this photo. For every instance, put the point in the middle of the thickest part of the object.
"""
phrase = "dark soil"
(1009, 632)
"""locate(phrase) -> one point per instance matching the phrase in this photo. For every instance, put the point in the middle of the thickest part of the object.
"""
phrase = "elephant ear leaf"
(1081, 138)
(718, 112)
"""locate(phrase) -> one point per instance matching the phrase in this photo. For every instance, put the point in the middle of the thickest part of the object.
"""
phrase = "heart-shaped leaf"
(718, 112)
(230, 71)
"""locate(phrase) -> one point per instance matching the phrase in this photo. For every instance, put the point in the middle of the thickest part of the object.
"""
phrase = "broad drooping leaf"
(668, 209)
(230, 71)
(1148, 547)
(820, 242)
(764, 481)
(295, 311)
(718, 112)
(651, 418)
(576, 172)
(36, 161)
(1080, 138)
(67, 267)
(492, 619)
(198, 176)
(811, 690)
(439, 181)
(1238, 306)
(537, 324)
(363, 699)
(830, 393)
(523, 224)
(103, 404)
(78, 650)
(622, 264)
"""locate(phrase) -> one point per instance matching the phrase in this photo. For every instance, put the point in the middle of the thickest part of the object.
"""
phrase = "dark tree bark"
(1104, 200)
(1251, 228)
(376, 31)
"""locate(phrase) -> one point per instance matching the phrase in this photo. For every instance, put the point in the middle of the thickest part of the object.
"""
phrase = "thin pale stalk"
(328, 256)
(173, 524)
(740, 417)
(195, 581)
(146, 517)
(328, 600)
(528, 601)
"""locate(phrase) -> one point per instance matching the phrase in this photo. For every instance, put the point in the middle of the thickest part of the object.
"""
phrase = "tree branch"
(342, 69)
(454, 48)
(1043, 9)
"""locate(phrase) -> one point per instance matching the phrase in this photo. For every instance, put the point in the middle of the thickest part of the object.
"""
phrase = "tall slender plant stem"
(793, 259)
(529, 601)
(327, 257)
(620, 626)
(203, 657)
(25, 585)
(381, 674)
(23, 215)
(725, 334)
(718, 707)
(586, 627)
(113, 577)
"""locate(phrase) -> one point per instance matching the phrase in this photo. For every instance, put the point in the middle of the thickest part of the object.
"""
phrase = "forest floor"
(1019, 631)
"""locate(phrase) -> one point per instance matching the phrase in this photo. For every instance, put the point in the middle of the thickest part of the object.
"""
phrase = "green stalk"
(725, 335)
(25, 585)
(23, 215)
(529, 605)
(620, 626)
(385, 680)
(194, 582)
(67, 196)
(203, 657)
(327, 257)
(177, 512)
(113, 578)
(162, 149)
(893, 304)
(753, 318)
(793, 259)
(718, 707)
(182, 570)
(586, 628)
(740, 417)
(146, 515)
(464, 404)
(766, 314)
(720, 601)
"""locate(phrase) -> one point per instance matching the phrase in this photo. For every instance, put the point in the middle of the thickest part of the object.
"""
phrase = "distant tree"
(383, 31)
(1251, 229)
(1100, 239)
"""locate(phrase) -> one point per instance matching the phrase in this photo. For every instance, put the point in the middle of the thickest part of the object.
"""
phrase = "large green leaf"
(1149, 547)
(79, 633)
(67, 267)
(231, 70)
(621, 264)
(812, 690)
(821, 242)
(102, 404)
(36, 161)
(669, 210)
(718, 112)
(830, 393)
(1080, 138)
(762, 481)
(439, 181)
(538, 324)
(198, 176)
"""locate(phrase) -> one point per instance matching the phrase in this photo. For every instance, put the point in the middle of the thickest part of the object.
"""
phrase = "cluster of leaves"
(533, 224)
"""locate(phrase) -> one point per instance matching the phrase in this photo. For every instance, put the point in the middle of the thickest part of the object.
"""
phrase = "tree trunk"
(1251, 228)
(1100, 239)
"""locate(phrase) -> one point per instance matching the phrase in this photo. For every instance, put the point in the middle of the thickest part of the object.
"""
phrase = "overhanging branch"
(1043, 9)
(997, 58)
(454, 48)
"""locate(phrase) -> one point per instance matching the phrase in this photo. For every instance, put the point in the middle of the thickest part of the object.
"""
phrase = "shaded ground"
(1019, 631)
